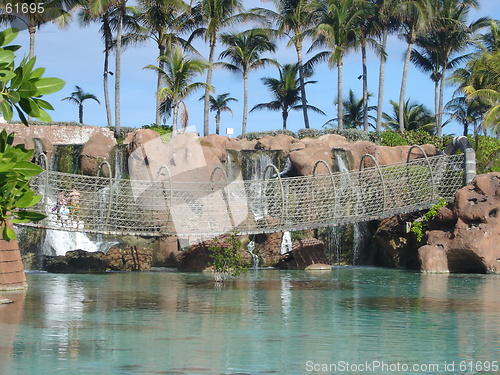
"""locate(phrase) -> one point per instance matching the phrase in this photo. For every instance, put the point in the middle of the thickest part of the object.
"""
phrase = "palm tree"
(415, 116)
(214, 15)
(108, 18)
(467, 113)
(386, 20)
(178, 73)
(78, 97)
(162, 21)
(296, 20)
(492, 97)
(56, 11)
(339, 31)
(415, 17)
(244, 52)
(354, 112)
(219, 104)
(447, 35)
(286, 92)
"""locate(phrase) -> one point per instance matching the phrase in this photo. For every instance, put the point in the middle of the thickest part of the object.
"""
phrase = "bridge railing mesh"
(169, 207)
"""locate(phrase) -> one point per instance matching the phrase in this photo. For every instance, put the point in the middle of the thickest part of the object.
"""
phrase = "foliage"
(22, 87)
(419, 227)
(255, 135)
(487, 153)
(414, 137)
(78, 97)
(15, 192)
(161, 129)
(309, 133)
(226, 256)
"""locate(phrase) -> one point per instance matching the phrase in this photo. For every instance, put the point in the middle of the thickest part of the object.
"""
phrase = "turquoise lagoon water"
(347, 321)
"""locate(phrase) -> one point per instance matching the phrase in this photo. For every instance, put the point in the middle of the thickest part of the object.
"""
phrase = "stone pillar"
(11, 266)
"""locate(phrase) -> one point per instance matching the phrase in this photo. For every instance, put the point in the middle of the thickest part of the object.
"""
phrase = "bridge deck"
(169, 207)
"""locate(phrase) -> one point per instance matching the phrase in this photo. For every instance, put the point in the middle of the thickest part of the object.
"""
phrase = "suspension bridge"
(166, 206)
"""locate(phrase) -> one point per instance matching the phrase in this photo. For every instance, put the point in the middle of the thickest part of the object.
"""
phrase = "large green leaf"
(6, 57)
(6, 110)
(6, 75)
(6, 166)
(27, 90)
(27, 168)
(7, 36)
(49, 85)
(29, 215)
(43, 116)
(28, 199)
(43, 104)
(8, 233)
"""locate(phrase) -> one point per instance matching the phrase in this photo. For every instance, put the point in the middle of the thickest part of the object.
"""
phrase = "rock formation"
(304, 253)
(465, 235)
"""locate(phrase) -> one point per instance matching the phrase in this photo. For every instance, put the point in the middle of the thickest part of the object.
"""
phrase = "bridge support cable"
(379, 171)
(110, 197)
(272, 167)
(431, 173)
(225, 195)
(332, 179)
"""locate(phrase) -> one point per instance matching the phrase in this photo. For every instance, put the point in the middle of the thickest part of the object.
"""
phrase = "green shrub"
(414, 137)
(419, 226)
(487, 153)
(161, 129)
(226, 257)
(255, 135)
(309, 133)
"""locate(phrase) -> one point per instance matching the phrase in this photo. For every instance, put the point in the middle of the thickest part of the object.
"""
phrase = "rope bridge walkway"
(225, 203)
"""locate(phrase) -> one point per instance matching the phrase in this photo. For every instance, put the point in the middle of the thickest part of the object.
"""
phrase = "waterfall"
(255, 258)
(286, 243)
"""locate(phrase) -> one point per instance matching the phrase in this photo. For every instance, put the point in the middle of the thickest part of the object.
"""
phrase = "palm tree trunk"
(436, 101)
(161, 65)
(440, 104)
(245, 103)
(118, 68)
(107, 48)
(206, 106)
(381, 81)
(32, 31)
(80, 112)
(403, 87)
(365, 86)
(298, 47)
(339, 94)
(176, 114)
(217, 123)
(284, 114)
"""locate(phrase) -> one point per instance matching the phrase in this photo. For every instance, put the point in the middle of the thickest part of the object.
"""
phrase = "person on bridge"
(74, 205)
(61, 206)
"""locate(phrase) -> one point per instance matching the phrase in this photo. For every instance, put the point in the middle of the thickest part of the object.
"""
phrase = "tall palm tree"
(296, 20)
(220, 104)
(415, 16)
(244, 52)
(354, 112)
(386, 21)
(56, 11)
(213, 16)
(339, 31)
(466, 113)
(447, 35)
(415, 116)
(78, 97)
(286, 93)
(178, 74)
(108, 19)
(492, 116)
(162, 21)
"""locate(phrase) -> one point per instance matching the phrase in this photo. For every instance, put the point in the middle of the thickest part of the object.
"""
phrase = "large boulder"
(303, 254)
(94, 152)
(131, 258)
(77, 261)
(464, 236)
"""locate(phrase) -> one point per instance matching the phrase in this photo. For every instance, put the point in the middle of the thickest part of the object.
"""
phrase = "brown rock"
(433, 259)
(468, 231)
(139, 138)
(129, 259)
(303, 254)
(94, 152)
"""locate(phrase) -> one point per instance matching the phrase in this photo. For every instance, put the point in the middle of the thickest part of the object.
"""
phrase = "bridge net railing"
(170, 207)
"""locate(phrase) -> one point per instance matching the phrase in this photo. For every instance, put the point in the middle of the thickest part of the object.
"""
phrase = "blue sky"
(75, 55)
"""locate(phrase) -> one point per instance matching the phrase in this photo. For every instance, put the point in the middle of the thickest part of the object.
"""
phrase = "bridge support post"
(462, 143)
(11, 266)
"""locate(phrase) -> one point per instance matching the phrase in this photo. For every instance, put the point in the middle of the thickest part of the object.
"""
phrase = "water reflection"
(264, 321)
(10, 316)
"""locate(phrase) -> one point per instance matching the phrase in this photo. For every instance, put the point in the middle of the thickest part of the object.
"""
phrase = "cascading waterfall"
(255, 258)
(286, 243)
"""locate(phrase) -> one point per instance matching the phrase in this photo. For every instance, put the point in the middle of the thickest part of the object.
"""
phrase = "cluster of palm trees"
(437, 34)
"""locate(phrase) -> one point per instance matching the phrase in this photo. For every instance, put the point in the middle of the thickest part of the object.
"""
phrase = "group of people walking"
(67, 207)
